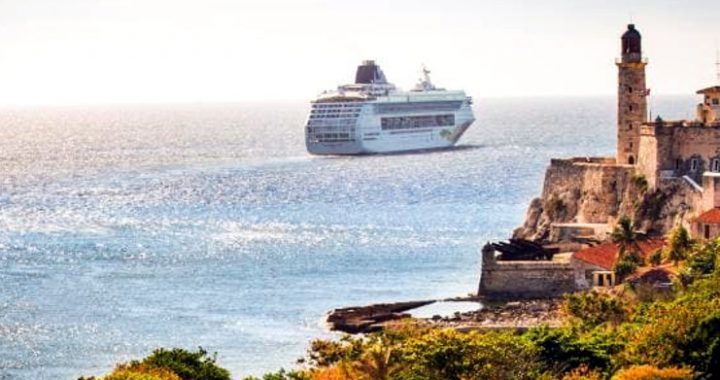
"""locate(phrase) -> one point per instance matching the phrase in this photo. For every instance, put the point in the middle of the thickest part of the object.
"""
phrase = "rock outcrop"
(594, 192)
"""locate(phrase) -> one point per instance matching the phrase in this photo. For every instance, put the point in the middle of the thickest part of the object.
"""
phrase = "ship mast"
(717, 63)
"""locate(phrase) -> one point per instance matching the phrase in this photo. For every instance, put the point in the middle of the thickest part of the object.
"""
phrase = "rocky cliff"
(592, 192)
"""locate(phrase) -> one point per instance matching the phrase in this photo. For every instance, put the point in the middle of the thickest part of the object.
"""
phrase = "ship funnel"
(368, 72)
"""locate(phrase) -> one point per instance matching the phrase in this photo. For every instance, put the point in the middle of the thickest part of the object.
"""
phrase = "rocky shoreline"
(518, 315)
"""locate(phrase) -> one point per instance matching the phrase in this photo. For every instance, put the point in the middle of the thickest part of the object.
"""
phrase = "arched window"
(631, 160)
(694, 163)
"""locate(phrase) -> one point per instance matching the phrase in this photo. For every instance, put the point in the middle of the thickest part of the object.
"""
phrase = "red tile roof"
(711, 216)
(605, 255)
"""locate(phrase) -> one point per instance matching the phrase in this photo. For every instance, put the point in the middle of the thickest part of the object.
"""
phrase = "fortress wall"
(696, 141)
(661, 145)
(524, 279)
(704, 141)
(578, 192)
(648, 155)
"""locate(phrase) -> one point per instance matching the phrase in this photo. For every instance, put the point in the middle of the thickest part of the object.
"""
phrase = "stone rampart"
(524, 279)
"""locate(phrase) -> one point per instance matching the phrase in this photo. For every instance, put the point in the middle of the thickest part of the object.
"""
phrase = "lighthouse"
(632, 96)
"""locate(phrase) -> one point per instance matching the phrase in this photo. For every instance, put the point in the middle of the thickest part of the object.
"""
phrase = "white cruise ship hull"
(354, 128)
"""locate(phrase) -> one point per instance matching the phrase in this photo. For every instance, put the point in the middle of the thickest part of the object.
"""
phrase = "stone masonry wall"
(579, 190)
(672, 146)
(524, 279)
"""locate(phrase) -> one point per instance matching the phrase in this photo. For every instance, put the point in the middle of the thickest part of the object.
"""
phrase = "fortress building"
(664, 173)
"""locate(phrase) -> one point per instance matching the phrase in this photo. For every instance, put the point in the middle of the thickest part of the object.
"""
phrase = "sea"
(132, 227)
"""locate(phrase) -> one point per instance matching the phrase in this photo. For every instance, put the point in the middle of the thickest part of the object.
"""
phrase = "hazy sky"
(108, 51)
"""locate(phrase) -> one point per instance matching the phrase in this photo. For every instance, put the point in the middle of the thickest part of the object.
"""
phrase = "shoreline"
(493, 315)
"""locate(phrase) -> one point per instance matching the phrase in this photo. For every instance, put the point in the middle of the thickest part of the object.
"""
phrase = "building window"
(707, 231)
(630, 145)
(678, 164)
(630, 108)
(716, 165)
(694, 164)
(716, 101)
(631, 160)
(629, 89)
(629, 126)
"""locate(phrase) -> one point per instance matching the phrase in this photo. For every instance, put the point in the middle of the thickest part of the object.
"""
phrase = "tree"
(656, 258)
(627, 239)
(678, 245)
(376, 364)
(188, 365)
(647, 372)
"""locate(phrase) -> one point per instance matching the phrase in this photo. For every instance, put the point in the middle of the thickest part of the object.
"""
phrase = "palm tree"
(627, 239)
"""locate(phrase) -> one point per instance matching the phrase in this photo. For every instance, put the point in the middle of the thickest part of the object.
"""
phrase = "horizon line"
(288, 100)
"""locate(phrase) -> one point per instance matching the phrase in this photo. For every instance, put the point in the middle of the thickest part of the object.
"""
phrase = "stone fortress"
(664, 173)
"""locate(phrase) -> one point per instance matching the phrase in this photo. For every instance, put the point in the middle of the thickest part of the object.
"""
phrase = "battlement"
(601, 161)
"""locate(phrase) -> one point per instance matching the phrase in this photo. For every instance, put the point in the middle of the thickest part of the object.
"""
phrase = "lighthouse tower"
(632, 93)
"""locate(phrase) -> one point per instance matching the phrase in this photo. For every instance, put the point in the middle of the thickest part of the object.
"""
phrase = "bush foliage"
(605, 337)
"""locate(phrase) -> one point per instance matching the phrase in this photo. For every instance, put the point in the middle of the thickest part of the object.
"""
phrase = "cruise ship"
(373, 116)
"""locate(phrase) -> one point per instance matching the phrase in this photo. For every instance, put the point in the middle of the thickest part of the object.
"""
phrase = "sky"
(165, 51)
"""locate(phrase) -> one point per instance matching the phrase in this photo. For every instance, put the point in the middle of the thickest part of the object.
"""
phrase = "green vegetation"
(679, 244)
(627, 239)
(606, 336)
(174, 364)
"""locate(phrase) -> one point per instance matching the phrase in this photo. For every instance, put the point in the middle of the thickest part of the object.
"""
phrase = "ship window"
(411, 122)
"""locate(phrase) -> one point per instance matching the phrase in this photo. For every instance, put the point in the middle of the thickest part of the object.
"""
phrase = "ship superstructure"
(373, 116)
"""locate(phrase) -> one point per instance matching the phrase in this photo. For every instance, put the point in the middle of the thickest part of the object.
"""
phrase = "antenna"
(717, 62)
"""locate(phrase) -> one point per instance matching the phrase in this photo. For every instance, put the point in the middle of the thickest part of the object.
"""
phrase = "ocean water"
(127, 228)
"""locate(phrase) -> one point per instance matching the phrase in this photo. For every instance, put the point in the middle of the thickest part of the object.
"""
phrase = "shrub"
(283, 375)
(592, 308)
(583, 373)
(678, 245)
(324, 353)
(187, 365)
(141, 372)
(561, 351)
(624, 267)
(703, 349)
(656, 258)
(646, 372)
(703, 259)
(450, 355)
